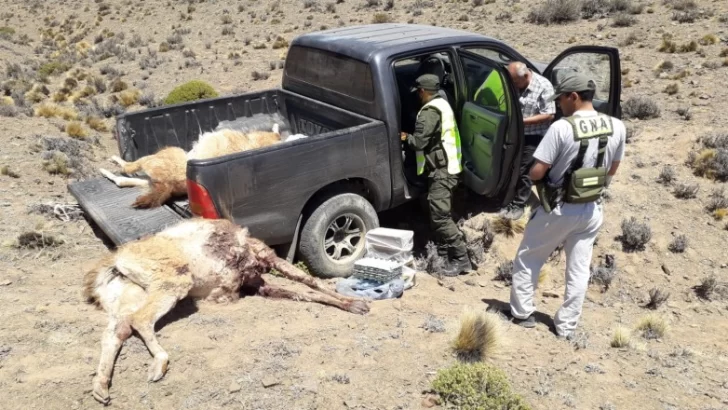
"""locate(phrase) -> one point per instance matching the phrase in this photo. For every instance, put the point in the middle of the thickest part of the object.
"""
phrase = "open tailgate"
(110, 208)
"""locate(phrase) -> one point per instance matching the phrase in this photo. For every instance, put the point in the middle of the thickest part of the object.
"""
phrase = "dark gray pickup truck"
(315, 198)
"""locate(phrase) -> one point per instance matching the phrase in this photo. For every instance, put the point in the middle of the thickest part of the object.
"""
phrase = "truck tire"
(333, 237)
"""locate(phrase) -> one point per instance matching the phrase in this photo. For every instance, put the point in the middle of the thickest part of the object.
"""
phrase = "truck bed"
(145, 132)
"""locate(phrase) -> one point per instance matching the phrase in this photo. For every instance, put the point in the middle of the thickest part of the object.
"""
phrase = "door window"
(484, 85)
(594, 65)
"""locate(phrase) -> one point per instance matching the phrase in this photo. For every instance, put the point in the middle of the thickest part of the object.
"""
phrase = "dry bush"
(711, 161)
(671, 89)
(433, 325)
(380, 18)
(667, 175)
(51, 110)
(555, 12)
(678, 244)
(624, 20)
(129, 97)
(479, 336)
(652, 327)
(56, 162)
(259, 75)
(432, 262)
(711, 289)
(640, 107)
(75, 129)
(5, 170)
(686, 191)
(37, 240)
(620, 338)
(657, 298)
(279, 43)
(604, 273)
(97, 124)
(635, 235)
(117, 85)
(504, 272)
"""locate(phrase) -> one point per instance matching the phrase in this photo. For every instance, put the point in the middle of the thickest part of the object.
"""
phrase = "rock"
(269, 381)
(550, 294)
(705, 97)
(234, 387)
(429, 401)
(5, 283)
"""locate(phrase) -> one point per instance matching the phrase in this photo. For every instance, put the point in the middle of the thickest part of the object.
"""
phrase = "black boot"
(455, 267)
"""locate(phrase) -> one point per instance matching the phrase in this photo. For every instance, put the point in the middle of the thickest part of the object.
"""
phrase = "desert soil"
(267, 354)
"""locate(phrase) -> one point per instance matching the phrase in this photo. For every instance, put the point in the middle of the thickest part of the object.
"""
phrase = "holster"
(548, 194)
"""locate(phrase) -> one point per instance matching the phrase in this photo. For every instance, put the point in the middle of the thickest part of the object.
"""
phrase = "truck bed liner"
(110, 207)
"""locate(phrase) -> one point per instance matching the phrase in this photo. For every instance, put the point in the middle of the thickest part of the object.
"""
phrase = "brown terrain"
(269, 354)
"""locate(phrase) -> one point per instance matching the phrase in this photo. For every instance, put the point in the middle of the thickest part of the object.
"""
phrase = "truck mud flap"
(110, 208)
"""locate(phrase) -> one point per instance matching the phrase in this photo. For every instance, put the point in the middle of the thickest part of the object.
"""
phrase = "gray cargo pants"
(574, 225)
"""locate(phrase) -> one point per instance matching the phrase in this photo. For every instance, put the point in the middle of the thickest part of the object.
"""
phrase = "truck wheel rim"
(344, 237)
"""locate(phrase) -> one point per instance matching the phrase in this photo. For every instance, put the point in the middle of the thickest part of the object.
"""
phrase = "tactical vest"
(450, 138)
(583, 185)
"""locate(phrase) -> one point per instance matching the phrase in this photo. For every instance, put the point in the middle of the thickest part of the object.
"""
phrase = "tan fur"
(198, 258)
(167, 168)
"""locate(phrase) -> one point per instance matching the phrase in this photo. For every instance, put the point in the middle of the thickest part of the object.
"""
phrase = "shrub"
(555, 12)
(380, 18)
(640, 107)
(190, 91)
(686, 191)
(678, 244)
(604, 273)
(477, 386)
(624, 20)
(667, 175)
(75, 129)
(657, 298)
(635, 235)
(504, 272)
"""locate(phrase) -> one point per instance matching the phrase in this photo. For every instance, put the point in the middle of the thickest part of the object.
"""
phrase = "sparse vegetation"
(667, 175)
(555, 12)
(75, 129)
(504, 272)
(640, 107)
(476, 386)
(7, 171)
(686, 191)
(652, 327)
(190, 91)
(678, 244)
(635, 235)
(604, 273)
(620, 338)
(657, 298)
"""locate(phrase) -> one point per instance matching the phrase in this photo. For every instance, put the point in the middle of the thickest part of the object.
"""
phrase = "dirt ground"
(266, 354)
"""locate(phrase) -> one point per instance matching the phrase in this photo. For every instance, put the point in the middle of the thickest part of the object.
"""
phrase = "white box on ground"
(388, 243)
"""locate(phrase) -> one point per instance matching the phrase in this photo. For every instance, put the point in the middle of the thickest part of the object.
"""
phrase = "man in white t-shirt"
(571, 211)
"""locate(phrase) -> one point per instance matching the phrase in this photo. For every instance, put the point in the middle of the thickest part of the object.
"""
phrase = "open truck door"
(600, 63)
(491, 126)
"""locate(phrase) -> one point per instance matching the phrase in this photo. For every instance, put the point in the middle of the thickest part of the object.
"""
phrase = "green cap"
(428, 82)
(572, 81)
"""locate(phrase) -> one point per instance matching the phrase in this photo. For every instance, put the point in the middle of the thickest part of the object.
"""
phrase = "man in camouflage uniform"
(437, 142)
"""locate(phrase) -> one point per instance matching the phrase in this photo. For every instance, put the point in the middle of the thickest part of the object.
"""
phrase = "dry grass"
(97, 124)
(509, 227)
(76, 130)
(51, 110)
(652, 327)
(621, 337)
(5, 170)
(657, 298)
(479, 337)
(129, 97)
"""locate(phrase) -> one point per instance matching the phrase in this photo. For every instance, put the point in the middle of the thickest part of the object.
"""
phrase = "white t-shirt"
(559, 149)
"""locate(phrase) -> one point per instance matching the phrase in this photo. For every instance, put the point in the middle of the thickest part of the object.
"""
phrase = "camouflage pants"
(448, 238)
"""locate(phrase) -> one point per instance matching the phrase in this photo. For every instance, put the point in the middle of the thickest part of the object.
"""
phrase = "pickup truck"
(313, 199)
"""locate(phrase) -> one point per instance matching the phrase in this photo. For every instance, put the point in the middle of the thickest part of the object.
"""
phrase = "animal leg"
(278, 292)
(119, 161)
(123, 182)
(114, 336)
(291, 272)
(162, 298)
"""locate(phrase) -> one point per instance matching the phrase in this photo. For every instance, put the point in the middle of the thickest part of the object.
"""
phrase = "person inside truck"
(436, 141)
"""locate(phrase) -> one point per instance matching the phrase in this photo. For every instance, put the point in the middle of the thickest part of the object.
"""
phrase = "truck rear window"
(331, 71)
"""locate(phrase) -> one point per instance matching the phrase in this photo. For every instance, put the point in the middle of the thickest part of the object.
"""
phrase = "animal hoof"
(359, 307)
(101, 392)
(158, 368)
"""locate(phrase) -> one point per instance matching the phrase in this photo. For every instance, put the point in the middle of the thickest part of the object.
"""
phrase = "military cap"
(428, 82)
(571, 82)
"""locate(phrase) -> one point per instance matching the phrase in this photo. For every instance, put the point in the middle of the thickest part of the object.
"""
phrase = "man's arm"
(425, 128)
(537, 119)
(538, 170)
(546, 110)
(546, 152)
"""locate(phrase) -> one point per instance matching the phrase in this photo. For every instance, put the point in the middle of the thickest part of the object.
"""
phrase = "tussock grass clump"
(635, 235)
(555, 12)
(51, 110)
(477, 386)
(678, 244)
(657, 298)
(509, 227)
(75, 129)
(279, 43)
(381, 18)
(641, 107)
(190, 91)
(479, 337)
(96, 124)
(620, 337)
(7, 171)
(129, 97)
(652, 327)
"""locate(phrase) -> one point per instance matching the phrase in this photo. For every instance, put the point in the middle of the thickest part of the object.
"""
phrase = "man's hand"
(403, 136)
(537, 119)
